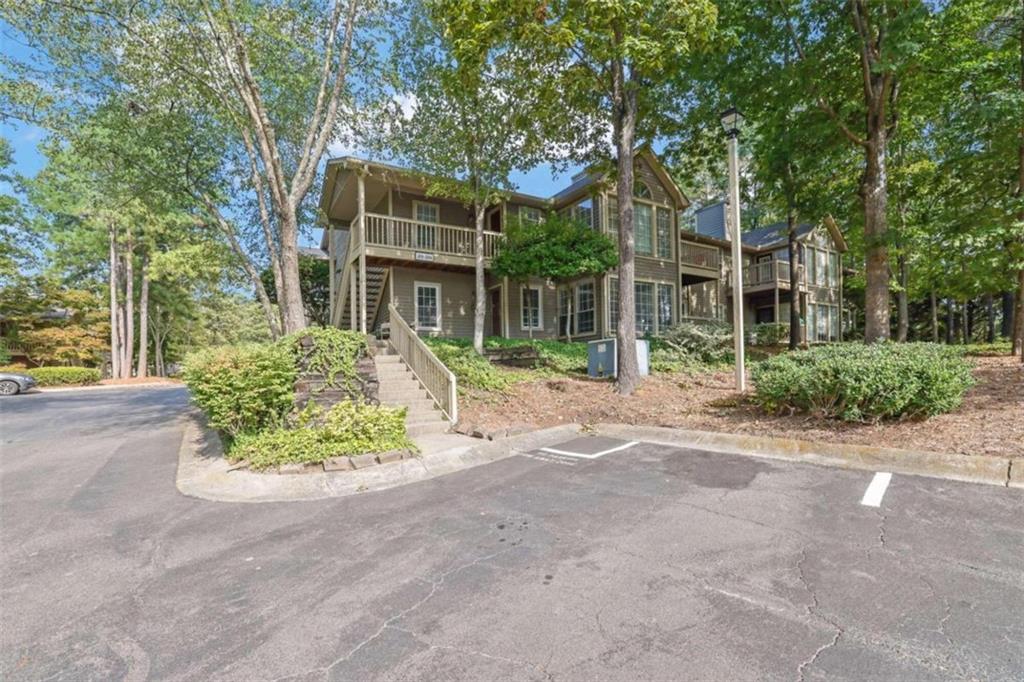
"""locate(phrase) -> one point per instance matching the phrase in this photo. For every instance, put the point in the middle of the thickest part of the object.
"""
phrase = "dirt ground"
(990, 422)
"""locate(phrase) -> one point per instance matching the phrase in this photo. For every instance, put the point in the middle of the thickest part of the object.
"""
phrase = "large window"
(642, 215)
(641, 190)
(530, 214)
(613, 215)
(665, 294)
(833, 269)
(564, 297)
(426, 213)
(644, 308)
(428, 305)
(585, 322)
(821, 268)
(585, 212)
(532, 315)
(664, 233)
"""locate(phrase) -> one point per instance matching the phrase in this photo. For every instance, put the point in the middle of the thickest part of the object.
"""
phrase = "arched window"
(641, 190)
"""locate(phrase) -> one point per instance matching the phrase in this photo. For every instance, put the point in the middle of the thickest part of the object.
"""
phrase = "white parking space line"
(582, 455)
(876, 489)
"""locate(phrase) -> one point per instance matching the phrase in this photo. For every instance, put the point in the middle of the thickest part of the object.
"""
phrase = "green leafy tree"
(557, 249)
(617, 64)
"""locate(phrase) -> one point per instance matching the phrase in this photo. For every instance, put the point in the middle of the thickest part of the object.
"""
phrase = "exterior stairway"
(375, 278)
(399, 387)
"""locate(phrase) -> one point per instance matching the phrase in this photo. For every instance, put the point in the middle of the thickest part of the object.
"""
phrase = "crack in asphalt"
(435, 585)
(814, 610)
(473, 652)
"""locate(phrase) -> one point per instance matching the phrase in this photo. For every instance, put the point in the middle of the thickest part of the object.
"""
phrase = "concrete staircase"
(398, 387)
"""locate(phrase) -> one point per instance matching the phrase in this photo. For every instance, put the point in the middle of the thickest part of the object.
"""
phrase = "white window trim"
(653, 282)
(524, 212)
(416, 305)
(540, 307)
(575, 290)
(415, 211)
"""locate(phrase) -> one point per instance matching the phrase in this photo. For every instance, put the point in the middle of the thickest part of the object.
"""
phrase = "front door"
(496, 311)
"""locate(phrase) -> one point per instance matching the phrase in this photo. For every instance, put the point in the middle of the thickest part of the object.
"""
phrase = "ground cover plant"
(348, 428)
(854, 382)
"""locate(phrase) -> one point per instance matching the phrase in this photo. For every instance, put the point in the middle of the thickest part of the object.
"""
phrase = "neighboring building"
(417, 253)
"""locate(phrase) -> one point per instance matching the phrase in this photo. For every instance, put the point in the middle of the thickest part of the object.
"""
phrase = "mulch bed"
(990, 422)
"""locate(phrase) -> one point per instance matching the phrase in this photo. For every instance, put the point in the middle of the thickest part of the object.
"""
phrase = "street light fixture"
(732, 121)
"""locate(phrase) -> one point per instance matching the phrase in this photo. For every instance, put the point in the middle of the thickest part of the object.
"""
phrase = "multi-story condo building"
(393, 248)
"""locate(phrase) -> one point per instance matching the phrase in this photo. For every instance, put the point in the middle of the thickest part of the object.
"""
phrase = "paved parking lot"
(643, 562)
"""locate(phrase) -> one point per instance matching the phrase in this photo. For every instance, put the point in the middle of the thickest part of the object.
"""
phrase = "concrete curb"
(203, 470)
(1001, 471)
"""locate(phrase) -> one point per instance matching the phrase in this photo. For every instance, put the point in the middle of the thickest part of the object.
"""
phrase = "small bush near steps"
(856, 382)
(347, 429)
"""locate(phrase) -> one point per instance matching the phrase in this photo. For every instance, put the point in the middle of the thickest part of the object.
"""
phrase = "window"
(531, 315)
(644, 229)
(613, 304)
(644, 304)
(428, 305)
(665, 294)
(833, 269)
(664, 233)
(613, 215)
(425, 213)
(564, 296)
(811, 323)
(823, 323)
(641, 190)
(821, 268)
(810, 268)
(585, 308)
(584, 212)
(529, 214)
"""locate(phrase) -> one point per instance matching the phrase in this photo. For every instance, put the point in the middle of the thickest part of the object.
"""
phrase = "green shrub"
(989, 349)
(333, 353)
(242, 389)
(5, 353)
(348, 428)
(857, 382)
(689, 344)
(58, 376)
(770, 333)
(470, 369)
(561, 357)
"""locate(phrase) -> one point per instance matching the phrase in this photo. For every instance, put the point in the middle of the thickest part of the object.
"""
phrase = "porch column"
(361, 193)
(352, 314)
(332, 270)
(776, 318)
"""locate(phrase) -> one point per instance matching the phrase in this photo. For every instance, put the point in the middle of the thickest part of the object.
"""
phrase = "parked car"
(12, 383)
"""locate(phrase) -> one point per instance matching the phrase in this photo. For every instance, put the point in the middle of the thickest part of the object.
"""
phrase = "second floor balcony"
(396, 238)
(769, 275)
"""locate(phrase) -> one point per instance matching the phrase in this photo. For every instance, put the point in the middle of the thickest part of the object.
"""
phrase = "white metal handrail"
(450, 240)
(437, 379)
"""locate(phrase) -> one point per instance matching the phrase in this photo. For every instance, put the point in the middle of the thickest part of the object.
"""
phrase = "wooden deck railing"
(769, 272)
(448, 240)
(699, 255)
(431, 372)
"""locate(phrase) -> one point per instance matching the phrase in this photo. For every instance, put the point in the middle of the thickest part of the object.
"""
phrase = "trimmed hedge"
(242, 389)
(347, 429)
(856, 382)
(59, 376)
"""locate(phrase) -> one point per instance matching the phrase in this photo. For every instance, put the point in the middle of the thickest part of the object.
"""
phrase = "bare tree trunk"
(903, 305)
(873, 191)
(794, 282)
(624, 122)
(143, 365)
(115, 334)
(965, 330)
(480, 305)
(1006, 323)
(950, 321)
(293, 313)
(990, 319)
(935, 317)
(129, 310)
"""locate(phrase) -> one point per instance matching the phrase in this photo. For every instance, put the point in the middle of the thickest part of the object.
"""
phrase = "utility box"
(603, 358)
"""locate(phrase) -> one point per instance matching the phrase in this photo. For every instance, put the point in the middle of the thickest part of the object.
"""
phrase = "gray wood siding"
(549, 308)
(452, 212)
(456, 298)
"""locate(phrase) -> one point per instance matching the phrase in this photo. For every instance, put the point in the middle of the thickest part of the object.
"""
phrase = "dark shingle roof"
(770, 235)
(313, 252)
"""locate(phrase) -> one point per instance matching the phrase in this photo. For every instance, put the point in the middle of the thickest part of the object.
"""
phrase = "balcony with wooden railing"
(413, 240)
(769, 275)
(700, 256)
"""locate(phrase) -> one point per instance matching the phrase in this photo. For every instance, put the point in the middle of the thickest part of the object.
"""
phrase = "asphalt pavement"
(635, 561)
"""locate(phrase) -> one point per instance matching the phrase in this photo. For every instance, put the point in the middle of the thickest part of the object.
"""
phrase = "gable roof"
(591, 176)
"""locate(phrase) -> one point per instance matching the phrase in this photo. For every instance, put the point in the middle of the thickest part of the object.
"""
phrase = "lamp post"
(732, 119)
